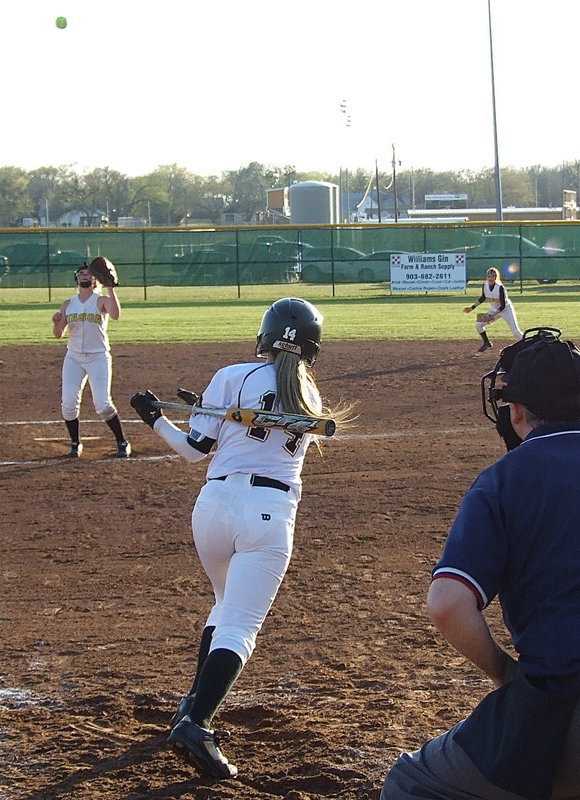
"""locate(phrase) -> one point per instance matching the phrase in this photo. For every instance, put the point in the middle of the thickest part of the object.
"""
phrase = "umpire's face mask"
(499, 414)
(505, 428)
(540, 372)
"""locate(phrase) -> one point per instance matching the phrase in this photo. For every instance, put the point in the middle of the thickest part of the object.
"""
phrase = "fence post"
(238, 262)
(332, 259)
(143, 256)
(48, 275)
(521, 261)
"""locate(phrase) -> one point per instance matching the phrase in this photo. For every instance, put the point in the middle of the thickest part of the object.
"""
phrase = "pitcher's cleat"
(76, 449)
(200, 748)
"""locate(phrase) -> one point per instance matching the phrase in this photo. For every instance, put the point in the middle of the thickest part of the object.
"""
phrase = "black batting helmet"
(293, 325)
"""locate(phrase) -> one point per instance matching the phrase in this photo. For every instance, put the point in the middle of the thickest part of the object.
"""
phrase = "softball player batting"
(243, 519)
(88, 357)
(500, 306)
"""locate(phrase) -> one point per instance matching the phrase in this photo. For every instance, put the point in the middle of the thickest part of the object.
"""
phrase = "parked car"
(4, 266)
(512, 254)
(68, 258)
(27, 257)
(323, 264)
(375, 266)
(226, 263)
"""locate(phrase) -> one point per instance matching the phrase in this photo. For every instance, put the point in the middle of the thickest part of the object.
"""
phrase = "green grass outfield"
(369, 311)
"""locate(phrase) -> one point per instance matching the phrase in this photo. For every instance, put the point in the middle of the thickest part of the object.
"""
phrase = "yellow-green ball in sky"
(61, 22)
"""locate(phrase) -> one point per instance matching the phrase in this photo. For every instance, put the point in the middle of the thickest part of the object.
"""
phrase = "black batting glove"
(143, 405)
(190, 398)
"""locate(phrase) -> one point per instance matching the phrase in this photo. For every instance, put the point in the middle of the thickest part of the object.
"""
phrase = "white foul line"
(350, 436)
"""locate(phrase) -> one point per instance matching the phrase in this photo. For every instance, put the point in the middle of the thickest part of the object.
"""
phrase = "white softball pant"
(244, 536)
(98, 370)
(509, 315)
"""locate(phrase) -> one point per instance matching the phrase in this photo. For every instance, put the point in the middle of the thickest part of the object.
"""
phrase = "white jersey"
(493, 295)
(272, 453)
(87, 326)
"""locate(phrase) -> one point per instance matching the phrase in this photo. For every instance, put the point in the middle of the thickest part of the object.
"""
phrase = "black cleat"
(183, 709)
(76, 448)
(123, 450)
(200, 748)
(485, 346)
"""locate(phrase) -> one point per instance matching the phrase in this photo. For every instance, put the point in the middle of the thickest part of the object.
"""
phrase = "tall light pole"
(498, 197)
(344, 109)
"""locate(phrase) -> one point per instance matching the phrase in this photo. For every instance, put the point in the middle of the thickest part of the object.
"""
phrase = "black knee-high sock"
(115, 425)
(73, 429)
(483, 335)
(204, 646)
(216, 678)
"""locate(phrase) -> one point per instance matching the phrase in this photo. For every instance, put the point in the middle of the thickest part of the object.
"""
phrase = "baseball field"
(103, 597)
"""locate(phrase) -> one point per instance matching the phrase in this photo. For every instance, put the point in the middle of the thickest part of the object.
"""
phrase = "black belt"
(259, 480)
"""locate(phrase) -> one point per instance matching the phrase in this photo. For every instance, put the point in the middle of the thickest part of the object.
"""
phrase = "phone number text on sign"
(428, 272)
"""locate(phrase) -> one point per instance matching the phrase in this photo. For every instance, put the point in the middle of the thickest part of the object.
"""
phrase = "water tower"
(313, 202)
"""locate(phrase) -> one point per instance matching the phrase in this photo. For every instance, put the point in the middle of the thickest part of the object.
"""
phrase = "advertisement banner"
(428, 272)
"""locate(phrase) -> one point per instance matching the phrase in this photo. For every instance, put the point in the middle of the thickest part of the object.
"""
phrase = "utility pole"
(378, 189)
(394, 165)
(344, 109)
(498, 197)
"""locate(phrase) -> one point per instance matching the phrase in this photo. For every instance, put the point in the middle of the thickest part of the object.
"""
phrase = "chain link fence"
(247, 256)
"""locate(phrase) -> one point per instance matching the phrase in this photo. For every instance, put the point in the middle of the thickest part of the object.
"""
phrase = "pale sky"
(215, 84)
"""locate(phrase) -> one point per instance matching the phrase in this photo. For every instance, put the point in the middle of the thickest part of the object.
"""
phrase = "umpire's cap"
(545, 377)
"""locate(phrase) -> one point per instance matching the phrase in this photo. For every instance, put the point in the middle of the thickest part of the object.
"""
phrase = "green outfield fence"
(246, 256)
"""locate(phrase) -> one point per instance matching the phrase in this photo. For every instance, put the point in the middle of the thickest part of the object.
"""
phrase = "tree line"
(171, 195)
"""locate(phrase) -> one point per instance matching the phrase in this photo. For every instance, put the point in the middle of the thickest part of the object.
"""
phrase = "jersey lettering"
(83, 318)
(267, 401)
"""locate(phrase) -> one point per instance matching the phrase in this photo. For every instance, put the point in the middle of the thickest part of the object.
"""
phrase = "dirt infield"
(103, 597)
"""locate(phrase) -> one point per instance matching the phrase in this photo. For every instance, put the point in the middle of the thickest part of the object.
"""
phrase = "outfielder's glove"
(485, 318)
(104, 271)
(143, 405)
(191, 398)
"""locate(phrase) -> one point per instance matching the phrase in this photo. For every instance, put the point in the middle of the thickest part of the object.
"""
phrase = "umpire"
(517, 536)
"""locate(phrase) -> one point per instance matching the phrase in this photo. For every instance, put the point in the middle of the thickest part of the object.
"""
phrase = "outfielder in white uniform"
(88, 357)
(243, 519)
(500, 307)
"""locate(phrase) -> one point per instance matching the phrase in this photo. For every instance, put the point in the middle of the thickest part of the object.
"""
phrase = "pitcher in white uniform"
(243, 519)
(88, 357)
(500, 307)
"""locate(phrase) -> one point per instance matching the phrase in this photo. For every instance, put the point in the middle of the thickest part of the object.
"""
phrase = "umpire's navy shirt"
(517, 535)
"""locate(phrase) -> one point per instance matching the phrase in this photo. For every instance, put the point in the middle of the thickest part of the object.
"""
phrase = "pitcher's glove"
(191, 398)
(104, 271)
(143, 405)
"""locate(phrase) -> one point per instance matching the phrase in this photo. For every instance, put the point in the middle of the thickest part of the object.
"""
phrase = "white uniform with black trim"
(276, 453)
(244, 532)
(88, 357)
(493, 295)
